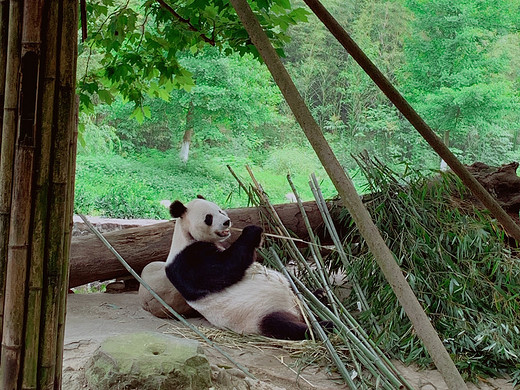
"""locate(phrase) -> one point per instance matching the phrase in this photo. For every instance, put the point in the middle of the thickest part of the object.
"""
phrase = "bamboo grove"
(38, 50)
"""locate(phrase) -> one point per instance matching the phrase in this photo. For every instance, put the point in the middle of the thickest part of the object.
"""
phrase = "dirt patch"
(93, 317)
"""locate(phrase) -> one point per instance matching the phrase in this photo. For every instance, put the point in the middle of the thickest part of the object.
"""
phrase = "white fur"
(191, 227)
(243, 305)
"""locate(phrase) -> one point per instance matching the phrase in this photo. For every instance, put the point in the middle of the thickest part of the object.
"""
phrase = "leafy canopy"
(132, 47)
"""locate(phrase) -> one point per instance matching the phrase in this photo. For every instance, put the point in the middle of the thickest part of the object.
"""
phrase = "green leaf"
(138, 115)
(105, 96)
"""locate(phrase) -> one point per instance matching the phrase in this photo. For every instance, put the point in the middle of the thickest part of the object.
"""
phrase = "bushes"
(133, 186)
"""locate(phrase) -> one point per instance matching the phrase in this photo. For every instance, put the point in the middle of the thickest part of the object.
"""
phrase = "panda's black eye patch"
(208, 220)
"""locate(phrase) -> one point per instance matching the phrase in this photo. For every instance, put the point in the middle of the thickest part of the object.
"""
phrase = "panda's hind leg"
(283, 325)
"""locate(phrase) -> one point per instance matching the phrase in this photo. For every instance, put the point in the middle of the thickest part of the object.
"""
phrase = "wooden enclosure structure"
(38, 51)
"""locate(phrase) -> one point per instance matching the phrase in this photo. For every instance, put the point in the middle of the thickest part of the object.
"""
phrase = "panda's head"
(202, 220)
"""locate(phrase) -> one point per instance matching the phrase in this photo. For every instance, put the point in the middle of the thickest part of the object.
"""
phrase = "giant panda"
(184, 234)
(228, 287)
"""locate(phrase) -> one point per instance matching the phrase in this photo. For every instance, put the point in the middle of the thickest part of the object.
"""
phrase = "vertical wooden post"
(351, 199)
(9, 358)
(4, 27)
(36, 191)
(61, 199)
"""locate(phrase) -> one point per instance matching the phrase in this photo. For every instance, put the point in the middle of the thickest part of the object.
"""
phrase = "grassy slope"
(132, 187)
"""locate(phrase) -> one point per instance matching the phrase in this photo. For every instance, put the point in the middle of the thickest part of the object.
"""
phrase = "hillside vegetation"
(456, 62)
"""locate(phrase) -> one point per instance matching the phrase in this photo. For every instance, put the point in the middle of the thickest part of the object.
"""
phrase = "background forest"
(458, 64)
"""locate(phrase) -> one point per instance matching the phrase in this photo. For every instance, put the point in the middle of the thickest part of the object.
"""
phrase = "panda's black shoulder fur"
(202, 269)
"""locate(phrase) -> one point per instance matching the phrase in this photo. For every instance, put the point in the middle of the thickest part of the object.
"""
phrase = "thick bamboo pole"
(31, 44)
(349, 196)
(20, 219)
(4, 28)
(413, 117)
(59, 196)
(68, 237)
(68, 78)
(9, 129)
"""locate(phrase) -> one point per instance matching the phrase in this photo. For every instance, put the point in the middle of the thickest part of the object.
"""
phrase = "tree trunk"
(91, 261)
(188, 133)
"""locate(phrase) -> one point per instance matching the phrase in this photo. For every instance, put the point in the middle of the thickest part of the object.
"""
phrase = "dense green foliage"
(132, 47)
(194, 69)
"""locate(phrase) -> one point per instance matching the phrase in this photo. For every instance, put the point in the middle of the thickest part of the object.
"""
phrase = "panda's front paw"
(253, 235)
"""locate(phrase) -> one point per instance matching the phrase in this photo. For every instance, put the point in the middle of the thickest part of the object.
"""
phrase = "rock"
(148, 361)
(155, 276)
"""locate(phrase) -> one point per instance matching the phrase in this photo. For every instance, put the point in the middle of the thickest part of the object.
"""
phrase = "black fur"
(209, 219)
(283, 325)
(201, 268)
(177, 209)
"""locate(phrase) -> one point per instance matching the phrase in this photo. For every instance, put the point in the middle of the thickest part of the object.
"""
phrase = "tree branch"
(191, 27)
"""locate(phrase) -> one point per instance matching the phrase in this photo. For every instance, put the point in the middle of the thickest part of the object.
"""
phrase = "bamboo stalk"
(9, 120)
(392, 376)
(329, 223)
(316, 255)
(4, 28)
(280, 227)
(31, 51)
(317, 327)
(349, 326)
(59, 196)
(66, 256)
(349, 196)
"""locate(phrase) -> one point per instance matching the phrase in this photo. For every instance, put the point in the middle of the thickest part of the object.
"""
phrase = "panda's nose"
(227, 222)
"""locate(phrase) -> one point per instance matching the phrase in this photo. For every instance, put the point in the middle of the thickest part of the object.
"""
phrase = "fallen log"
(501, 182)
(91, 261)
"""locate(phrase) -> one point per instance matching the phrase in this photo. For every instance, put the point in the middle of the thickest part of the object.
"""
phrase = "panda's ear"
(177, 209)
(200, 197)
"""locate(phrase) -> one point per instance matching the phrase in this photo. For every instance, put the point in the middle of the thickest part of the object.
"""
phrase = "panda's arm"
(230, 265)
(201, 269)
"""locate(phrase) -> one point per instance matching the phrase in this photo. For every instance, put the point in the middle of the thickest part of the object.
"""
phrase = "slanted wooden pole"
(351, 199)
(414, 118)
(36, 201)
